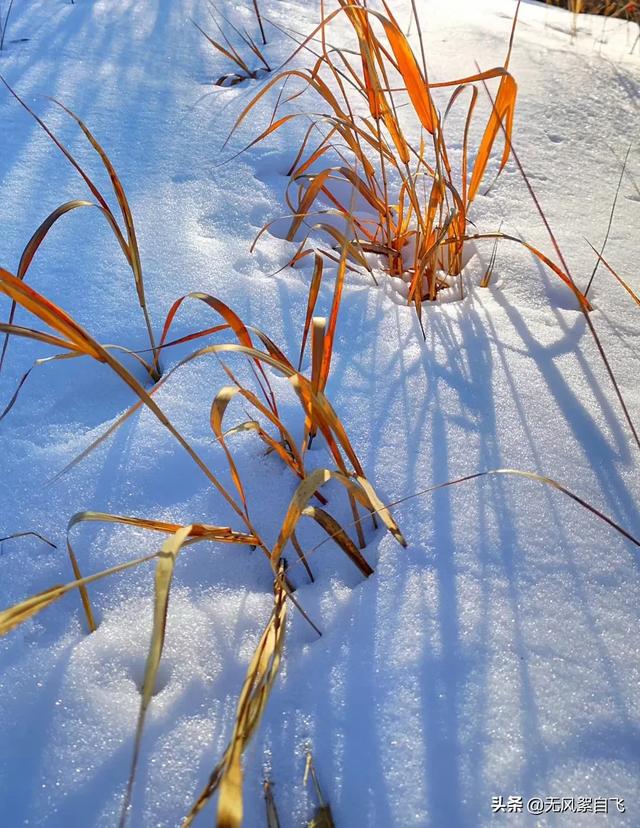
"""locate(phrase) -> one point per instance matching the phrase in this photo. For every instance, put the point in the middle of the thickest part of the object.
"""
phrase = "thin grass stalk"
(611, 214)
(256, 9)
(28, 534)
(4, 24)
(584, 307)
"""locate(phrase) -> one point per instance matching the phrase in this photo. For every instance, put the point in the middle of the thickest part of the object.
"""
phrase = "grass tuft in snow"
(243, 70)
(126, 237)
(405, 203)
(319, 418)
(625, 9)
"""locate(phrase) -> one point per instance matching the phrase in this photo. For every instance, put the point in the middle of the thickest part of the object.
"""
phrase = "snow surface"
(498, 654)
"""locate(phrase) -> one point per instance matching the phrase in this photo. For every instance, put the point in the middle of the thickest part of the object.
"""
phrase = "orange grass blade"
(314, 289)
(621, 281)
(502, 115)
(218, 408)
(197, 532)
(339, 536)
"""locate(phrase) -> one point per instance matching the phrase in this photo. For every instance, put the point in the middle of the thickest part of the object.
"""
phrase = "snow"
(498, 654)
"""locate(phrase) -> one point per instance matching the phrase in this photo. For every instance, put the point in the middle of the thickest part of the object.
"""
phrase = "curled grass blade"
(315, 480)
(338, 535)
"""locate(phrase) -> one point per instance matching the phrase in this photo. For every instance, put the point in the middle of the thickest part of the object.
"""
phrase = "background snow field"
(499, 653)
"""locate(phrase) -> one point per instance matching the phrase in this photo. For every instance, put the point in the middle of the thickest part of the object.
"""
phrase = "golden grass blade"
(164, 576)
(129, 246)
(257, 52)
(72, 353)
(408, 67)
(50, 314)
(322, 415)
(304, 207)
(502, 115)
(321, 410)
(379, 508)
(13, 617)
(298, 465)
(227, 775)
(40, 337)
(92, 187)
(273, 445)
(17, 614)
(218, 408)
(290, 454)
(339, 535)
(305, 491)
(237, 326)
(582, 299)
(197, 532)
(60, 321)
(38, 237)
(353, 247)
(322, 817)
(271, 347)
(301, 556)
(345, 126)
(318, 331)
(30, 251)
(333, 320)
(336, 174)
(584, 306)
(547, 481)
(127, 216)
(271, 128)
(297, 168)
(256, 10)
(233, 56)
(603, 247)
(486, 74)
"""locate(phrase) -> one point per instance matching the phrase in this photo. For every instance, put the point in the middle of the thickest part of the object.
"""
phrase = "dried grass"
(413, 206)
(234, 52)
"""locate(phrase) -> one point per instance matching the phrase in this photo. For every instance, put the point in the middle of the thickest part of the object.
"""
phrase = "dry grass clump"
(319, 417)
(399, 200)
(626, 9)
(234, 53)
(409, 206)
(50, 324)
(125, 235)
